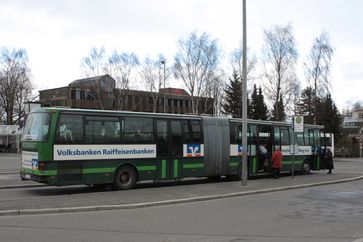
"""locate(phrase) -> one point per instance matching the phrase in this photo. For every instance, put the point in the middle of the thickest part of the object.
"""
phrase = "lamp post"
(244, 101)
(163, 62)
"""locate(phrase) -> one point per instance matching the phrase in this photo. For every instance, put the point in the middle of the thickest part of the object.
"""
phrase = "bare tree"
(153, 77)
(279, 58)
(15, 84)
(214, 94)
(94, 64)
(317, 67)
(196, 63)
(120, 67)
(236, 63)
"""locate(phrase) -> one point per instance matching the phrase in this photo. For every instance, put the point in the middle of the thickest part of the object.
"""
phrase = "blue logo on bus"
(35, 164)
(194, 150)
(240, 149)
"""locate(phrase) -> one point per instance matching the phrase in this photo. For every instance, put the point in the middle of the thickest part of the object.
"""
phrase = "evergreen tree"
(306, 105)
(253, 104)
(278, 113)
(232, 100)
(262, 109)
(328, 115)
(258, 108)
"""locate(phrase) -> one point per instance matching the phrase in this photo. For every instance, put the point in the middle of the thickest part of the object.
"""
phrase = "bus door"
(169, 145)
(317, 148)
(264, 139)
(252, 141)
(282, 141)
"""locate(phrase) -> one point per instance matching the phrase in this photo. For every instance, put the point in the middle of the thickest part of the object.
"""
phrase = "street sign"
(298, 124)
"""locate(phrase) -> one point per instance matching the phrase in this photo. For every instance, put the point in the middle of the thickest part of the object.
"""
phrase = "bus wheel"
(125, 178)
(305, 168)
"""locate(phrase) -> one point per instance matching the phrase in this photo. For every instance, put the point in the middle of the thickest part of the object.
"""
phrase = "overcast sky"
(57, 34)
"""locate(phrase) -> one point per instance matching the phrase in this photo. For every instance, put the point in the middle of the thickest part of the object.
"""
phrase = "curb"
(166, 202)
(20, 186)
(9, 172)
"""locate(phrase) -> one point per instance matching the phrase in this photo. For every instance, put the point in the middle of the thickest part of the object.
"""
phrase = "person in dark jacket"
(329, 161)
(276, 162)
(322, 158)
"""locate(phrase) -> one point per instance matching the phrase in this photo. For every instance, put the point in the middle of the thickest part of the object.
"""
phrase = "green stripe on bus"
(146, 168)
(163, 168)
(289, 162)
(176, 168)
(254, 162)
(98, 170)
(37, 172)
(189, 166)
(234, 164)
(50, 173)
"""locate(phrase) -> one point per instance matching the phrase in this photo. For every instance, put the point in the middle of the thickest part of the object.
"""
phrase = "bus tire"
(305, 167)
(125, 178)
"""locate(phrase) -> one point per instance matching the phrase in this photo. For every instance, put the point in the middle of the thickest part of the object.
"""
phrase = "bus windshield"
(37, 127)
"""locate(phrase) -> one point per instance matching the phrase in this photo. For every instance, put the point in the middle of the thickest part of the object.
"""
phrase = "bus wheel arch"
(125, 177)
(306, 167)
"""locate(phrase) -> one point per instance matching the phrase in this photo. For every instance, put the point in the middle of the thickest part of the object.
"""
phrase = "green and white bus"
(63, 146)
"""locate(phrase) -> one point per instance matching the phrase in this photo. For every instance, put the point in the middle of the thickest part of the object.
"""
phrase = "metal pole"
(163, 62)
(244, 101)
(292, 156)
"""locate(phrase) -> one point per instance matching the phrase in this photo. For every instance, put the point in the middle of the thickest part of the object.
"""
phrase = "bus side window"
(102, 129)
(192, 132)
(68, 136)
(285, 136)
(138, 130)
(70, 129)
(176, 138)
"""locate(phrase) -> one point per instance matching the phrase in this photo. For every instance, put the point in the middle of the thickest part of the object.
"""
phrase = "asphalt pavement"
(26, 197)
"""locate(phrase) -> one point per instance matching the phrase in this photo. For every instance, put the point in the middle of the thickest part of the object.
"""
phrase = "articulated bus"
(63, 146)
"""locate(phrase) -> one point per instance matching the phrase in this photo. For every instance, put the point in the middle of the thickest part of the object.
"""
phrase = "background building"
(353, 122)
(101, 93)
(353, 130)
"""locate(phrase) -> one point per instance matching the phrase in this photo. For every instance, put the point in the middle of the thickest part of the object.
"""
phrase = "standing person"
(329, 161)
(276, 162)
(262, 151)
(322, 158)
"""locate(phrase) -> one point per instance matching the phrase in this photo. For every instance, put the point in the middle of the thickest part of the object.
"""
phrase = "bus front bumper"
(33, 177)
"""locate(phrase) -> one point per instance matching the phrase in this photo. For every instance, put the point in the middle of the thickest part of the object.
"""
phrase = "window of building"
(186, 103)
(78, 94)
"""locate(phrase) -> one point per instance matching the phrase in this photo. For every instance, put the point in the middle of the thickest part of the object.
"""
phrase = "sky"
(57, 34)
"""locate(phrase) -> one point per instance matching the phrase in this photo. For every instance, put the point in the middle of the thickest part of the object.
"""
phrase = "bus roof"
(115, 112)
(169, 115)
